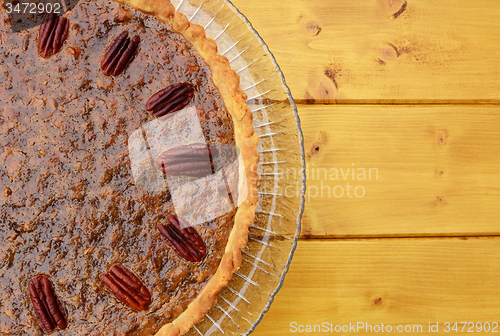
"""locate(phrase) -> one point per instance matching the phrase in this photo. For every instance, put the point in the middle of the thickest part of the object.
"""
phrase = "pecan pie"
(127, 164)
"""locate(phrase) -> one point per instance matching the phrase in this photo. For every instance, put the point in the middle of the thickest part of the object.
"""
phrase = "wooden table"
(410, 93)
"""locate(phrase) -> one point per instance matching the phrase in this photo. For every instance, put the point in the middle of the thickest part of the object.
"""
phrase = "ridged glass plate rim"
(303, 163)
(302, 176)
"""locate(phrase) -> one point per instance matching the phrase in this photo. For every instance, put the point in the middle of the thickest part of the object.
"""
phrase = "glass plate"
(274, 234)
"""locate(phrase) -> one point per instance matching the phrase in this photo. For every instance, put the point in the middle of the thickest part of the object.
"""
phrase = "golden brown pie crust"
(235, 99)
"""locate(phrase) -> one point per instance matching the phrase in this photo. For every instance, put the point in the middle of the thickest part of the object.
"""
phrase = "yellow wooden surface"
(401, 170)
(389, 281)
(356, 51)
(433, 70)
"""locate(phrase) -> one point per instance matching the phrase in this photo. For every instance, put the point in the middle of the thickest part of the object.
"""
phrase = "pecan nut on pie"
(127, 171)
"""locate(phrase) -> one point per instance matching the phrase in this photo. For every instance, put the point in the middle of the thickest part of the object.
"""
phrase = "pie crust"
(228, 83)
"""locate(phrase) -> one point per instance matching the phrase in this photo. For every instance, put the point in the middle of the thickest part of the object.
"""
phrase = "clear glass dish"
(273, 236)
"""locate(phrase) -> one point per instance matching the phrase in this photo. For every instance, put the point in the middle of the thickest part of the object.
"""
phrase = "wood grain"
(357, 51)
(389, 281)
(401, 170)
(433, 151)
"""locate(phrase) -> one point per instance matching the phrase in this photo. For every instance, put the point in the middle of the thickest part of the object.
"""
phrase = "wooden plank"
(389, 281)
(418, 170)
(357, 51)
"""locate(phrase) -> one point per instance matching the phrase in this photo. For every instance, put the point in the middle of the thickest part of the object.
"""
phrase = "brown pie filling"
(70, 207)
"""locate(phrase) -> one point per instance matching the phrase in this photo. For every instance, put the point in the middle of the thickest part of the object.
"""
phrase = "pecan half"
(127, 287)
(171, 99)
(185, 241)
(48, 308)
(53, 33)
(120, 53)
(189, 160)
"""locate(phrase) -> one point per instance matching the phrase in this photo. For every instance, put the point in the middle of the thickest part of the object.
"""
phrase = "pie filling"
(76, 208)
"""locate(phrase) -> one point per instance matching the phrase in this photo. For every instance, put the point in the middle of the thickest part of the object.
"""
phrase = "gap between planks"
(397, 102)
(397, 237)
(388, 102)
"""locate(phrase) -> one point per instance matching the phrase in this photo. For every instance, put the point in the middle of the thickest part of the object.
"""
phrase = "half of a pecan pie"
(121, 134)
